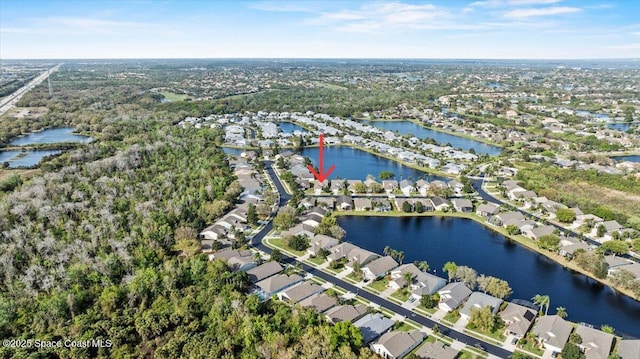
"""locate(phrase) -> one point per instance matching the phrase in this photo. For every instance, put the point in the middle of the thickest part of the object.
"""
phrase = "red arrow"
(319, 175)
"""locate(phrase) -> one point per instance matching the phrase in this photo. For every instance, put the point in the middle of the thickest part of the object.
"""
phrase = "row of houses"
(224, 230)
(268, 282)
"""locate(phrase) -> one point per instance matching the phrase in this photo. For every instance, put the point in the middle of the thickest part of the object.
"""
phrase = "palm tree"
(561, 312)
(400, 256)
(408, 278)
(423, 266)
(387, 250)
(393, 254)
(543, 301)
(435, 329)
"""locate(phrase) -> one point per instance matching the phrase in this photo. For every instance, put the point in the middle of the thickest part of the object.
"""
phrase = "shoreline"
(525, 242)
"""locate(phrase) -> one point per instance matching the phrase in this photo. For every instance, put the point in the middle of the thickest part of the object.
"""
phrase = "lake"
(352, 163)
(635, 158)
(288, 127)
(408, 127)
(20, 159)
(621, 126)
(466, 242)
(52, 135)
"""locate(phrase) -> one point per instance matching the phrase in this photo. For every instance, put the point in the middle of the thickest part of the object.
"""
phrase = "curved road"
(256, 241)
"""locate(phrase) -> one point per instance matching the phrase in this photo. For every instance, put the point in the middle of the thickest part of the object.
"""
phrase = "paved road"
(10, 101)
(257, 242)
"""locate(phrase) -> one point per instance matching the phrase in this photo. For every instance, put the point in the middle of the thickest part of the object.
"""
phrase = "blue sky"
(547, 29)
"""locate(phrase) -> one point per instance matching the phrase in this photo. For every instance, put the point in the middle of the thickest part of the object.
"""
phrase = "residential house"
(321, 241)
(427, 206)
(462, 205)
(337, 186)
(487, 210)
(426, 284)
(595, 344)
(312, 219)
(362, 204)
(517, 319)
(478, 300)
(360, 256)
(536, 233)
(266, 288)
(568, 250)
(439, 203)
(300, 229)
(346, 313)
(455, 186)
(215, 232)
(400, 203)
(381, 205)
(299, 292)
(397, 344)
(452, 295)
(616, 263)
(340, 251)
(397, 275)
(228, 253)
(436, 350)
(552, 332)
(344, 203)
(629, 349)
(264, 270)
(389, 185)
(378, 267)
(422, 186)
(319, 301)
(242, 263)
(326, 202)
(502, 218)
(407, 187)
(351, 185)
(373, 326)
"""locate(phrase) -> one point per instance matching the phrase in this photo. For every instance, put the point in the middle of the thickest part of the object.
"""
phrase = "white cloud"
(503, 3)
(547, 11)
(78, 25)
(632, 46)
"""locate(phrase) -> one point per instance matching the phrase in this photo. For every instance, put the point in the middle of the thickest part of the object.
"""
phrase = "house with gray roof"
(439, 203)
(629, 349)
(452, 295)
(517, 319)
(487, 210)
(266, 288)
(378, 267)
(361, 256)
(502, 218)
(552, 332)
(462, 205)
(595, 344)
(321, 241)
(319, 301)
(426, 284)
(299, 292)
(343, 313)
(362, 204)
(536, 233)
(373, 326)
(397, 275)
(300, 229)
(264, 270)
(436, 350)
(340, 251)
(344, 203)
(478, 300)
(397, 344)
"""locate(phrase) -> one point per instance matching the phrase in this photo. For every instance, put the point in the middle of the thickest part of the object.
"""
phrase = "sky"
(482, 29)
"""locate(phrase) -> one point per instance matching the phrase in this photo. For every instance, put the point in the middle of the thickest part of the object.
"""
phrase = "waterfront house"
(478, 300)
(344, 203)
(407, 187)
(397, 344)
(452, 295)
(381, 205)
(312, 219)
(570, 249)
(502, 218)
(321, 241)
(517, 319)
(340, 251)
(319, 301)
(436, 350)
(439, 203)
(326, 202)
(536, 233)
(390, 185)
(264, 270)
(422, 186)
(595, 344)
(351, 184)
(552, 332)
(362, 204)
(629, 349)
(360, 256)
(346, 313)
(462, 205)
(299, 292)
(488, 210)
(455, 186)
(266, 288)
(378, 267)
(426, 284)
(397, 275)
(300, 229)
(373, 326)
(400, 202)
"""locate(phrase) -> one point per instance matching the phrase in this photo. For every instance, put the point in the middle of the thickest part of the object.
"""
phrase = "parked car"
(479, 346)
(514, 341)
(554, 354)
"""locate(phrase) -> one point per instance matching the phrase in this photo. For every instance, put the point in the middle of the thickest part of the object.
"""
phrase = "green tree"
(360, 187)
(406, 207)
(550, 242)
(601, 230)
(285, 219)
(572, 351)
(276, 255)
(561, 312)
(615, 247)
(252, 216)
(483, 319)
(566, 215)
(430, 301)
(419, 207)
(385, 175)
(499, 288)
(450, 268)
(298, 242)
(607, 329)
(512, 229)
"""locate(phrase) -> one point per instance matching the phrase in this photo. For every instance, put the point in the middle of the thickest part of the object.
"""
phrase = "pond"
(634, 158)
(25, 159)
(466, 242)
(52, 135)
(408, 127)
(288, 127)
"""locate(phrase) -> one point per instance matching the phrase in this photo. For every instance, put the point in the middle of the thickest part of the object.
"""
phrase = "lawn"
(531, 347)
(402, 295)
(451, 317)
(277, 242)
(497, 334)
(317, 260)
(379, 285)
(173, 97)
(404, 327)
(354, 277)
(428, 310)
